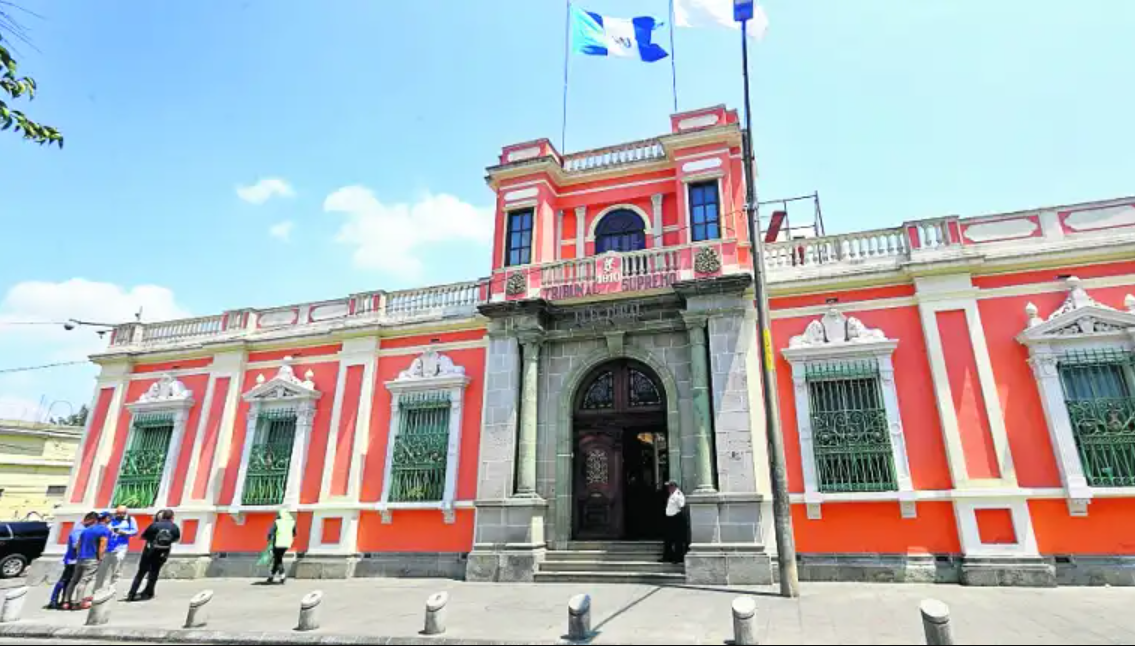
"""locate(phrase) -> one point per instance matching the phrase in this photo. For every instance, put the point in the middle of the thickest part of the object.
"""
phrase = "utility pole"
(781, 508)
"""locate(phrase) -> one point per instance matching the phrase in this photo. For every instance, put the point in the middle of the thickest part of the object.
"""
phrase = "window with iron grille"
(519, 241)
(1099, 392)
(269, 458)
(705, 211)
(144, 460)
(850, 434)
(421, 448)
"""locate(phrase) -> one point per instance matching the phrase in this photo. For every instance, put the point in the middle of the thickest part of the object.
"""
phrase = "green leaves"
(15, 120)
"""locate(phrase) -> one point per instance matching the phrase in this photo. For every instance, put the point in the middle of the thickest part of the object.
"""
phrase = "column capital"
(694, 321)
(656, 200)
(531, 341)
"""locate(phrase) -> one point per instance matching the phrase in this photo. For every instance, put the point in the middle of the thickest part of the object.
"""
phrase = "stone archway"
(564, 429)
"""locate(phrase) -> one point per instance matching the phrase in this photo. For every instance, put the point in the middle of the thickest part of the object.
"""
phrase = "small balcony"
(612, 273)
(378, 308)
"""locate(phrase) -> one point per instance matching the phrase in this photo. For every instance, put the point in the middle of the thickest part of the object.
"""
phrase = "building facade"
(35, 460)
(957, 395)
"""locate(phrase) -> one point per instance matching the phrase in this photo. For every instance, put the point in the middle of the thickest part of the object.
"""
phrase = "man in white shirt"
(677, 529)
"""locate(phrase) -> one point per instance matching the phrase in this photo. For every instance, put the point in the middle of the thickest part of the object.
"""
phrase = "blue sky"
(891, 110)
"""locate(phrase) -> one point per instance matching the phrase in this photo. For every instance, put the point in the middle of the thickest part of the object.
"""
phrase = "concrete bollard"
(936, 623)
(99, 614)
(579, 617)
(435, 613)
(744, 621)
(13, 604)
(309, 611)
(198, 614)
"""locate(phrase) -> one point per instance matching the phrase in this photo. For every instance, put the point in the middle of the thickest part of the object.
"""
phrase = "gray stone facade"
(700, 343)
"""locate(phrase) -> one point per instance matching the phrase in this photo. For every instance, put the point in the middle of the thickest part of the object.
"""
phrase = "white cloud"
(31, 345)
(388, 237)
(264, 190)
(282, 230)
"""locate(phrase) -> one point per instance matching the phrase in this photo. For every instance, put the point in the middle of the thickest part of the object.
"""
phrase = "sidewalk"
(826, 613)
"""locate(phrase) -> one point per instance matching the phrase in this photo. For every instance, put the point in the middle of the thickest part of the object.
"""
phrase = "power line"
(43, 367)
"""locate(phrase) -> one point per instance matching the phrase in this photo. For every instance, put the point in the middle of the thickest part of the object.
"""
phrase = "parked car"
(20, 544)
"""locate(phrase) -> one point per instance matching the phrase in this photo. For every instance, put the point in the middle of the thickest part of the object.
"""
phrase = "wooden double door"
(621, 460)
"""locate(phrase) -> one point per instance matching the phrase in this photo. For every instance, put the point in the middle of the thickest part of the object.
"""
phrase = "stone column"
(695, 327)
(526, 469)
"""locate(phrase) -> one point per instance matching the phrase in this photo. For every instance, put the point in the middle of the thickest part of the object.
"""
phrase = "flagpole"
(673, 62)
(567, 53)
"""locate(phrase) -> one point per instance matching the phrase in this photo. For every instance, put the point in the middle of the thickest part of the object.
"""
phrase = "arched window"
(620, 230)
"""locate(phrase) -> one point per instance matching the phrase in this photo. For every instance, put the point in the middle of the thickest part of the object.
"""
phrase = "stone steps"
(610, 562)
(609, 577)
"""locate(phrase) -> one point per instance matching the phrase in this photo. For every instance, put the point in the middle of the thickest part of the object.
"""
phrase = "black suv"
(20, 544)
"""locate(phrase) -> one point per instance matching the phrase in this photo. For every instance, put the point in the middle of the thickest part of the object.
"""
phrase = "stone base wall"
(711, 565)
(503, 565)
(1017, 572)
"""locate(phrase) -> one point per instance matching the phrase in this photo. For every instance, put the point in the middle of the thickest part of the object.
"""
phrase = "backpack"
(163, 539)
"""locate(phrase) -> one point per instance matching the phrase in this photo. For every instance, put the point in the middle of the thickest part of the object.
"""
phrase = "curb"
(43, 631)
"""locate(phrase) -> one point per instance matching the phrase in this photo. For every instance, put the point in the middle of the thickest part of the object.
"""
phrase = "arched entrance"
(620, 454)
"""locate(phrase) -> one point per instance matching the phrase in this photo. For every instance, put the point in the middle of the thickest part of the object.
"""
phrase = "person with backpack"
(159, 538)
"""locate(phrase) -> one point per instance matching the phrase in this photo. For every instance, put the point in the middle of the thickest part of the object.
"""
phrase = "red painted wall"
(296, 353)
(473, 360)
(348, 417)
(197, 384)
(1003, 319)
(921, 427)
(209, 441)
(324, 377)
(1048, 275)
(184, 364)
(1109, 527)
(416, 531)
(965, 390)
(91, 447)
(194, 383)
(252, 536)
(851, 528)
(846, 296)
(443, 337)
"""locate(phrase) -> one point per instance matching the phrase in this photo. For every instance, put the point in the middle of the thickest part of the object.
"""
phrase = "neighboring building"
(957, 394)
(35, 460)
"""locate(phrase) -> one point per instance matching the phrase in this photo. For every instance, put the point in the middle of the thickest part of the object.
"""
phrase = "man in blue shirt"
(70, 556)
(122, 528)
(92, 549)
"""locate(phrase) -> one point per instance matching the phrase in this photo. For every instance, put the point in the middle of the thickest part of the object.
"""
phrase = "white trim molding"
(836, 337)
(285, 390)
(431, 372)
(166, 395)
(1080, 323)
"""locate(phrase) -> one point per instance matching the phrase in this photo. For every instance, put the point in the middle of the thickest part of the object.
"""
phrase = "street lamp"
(71, 324)
(743, 11)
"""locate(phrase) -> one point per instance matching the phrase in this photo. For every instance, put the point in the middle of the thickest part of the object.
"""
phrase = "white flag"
(717, 13)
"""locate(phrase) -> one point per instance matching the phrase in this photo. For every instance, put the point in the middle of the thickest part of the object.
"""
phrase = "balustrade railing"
(646, 262)
(625, 154)
(439, 300)
(860, 247)
(182, 329)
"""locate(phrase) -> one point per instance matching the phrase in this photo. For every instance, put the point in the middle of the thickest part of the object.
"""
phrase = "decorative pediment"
(835, 334)
(431, 369)
(1080, 316)
(166, 392)
(284, 386)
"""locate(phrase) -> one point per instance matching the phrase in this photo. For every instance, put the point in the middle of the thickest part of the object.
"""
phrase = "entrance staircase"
(610, 562)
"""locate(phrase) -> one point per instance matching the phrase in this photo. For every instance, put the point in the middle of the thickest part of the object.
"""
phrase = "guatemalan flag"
(597, 35)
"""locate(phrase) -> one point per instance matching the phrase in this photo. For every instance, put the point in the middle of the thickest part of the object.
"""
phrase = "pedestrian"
(70, 556)
(92, 551)
(123, 527)
(677, 534)
(280, 539)
(159, 538)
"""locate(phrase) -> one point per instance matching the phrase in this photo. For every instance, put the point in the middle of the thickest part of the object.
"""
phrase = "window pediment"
(1079, 317)
(837, 335)
(429, 371)
(165, 393)
(284, 386)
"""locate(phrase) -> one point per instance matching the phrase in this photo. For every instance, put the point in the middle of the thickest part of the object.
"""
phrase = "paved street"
(826, 613)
